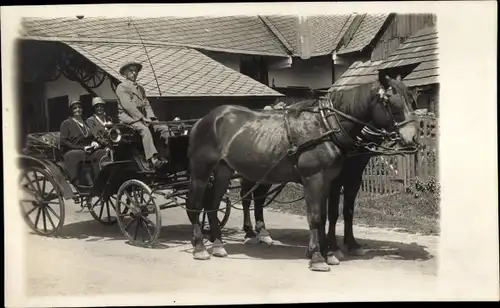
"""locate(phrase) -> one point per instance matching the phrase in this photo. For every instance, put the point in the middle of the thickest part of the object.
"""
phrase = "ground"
(90, 259)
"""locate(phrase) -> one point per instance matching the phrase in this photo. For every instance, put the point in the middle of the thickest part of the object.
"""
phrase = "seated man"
(78, 144)
(134, 109)
(99, 123)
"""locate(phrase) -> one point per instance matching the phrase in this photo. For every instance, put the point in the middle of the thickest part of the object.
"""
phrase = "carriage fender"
(28, 161)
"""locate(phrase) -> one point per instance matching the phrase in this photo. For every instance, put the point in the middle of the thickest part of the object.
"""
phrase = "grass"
(413, 211)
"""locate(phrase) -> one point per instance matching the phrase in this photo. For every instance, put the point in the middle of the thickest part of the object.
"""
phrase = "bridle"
(327, 110)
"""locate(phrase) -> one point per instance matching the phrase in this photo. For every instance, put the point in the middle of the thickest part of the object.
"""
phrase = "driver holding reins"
(134, 109)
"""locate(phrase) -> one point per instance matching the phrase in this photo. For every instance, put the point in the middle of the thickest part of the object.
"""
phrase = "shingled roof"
(232, 34)
(358, 73)
(422, 49)
(313, 35)
(368, 28)
(181, 71)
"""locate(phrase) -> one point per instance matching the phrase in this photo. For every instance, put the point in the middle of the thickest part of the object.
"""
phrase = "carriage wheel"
(42, 204)
(104, 210)
(113, 82)
(222, 215)
(95, 78)
(140, 221)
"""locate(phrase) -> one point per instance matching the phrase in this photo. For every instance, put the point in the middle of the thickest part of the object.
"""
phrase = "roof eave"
(149, 42)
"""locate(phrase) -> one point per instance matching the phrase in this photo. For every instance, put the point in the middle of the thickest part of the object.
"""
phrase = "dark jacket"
(98, 130)
(72, 137)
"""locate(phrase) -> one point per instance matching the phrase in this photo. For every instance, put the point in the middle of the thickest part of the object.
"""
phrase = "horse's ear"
(383, 79)
(398, 77)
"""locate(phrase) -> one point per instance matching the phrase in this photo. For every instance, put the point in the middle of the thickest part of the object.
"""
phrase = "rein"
(329, 135)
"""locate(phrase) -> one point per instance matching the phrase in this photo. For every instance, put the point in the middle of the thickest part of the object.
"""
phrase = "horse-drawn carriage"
(125, 191)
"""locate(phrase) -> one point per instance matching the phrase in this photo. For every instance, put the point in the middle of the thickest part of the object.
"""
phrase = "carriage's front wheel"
(104, 210)
(140, 218)
(222, 214)
(42, 204)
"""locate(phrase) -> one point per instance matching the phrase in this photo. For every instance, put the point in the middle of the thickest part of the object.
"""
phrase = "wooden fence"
(390, 174)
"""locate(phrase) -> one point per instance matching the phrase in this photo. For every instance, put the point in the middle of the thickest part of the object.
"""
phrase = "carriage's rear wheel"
(42, 204)
(222, 214)
(140, 219)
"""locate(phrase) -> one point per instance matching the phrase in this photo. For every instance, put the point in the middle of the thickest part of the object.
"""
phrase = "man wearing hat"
(99, 123)
(134, 109)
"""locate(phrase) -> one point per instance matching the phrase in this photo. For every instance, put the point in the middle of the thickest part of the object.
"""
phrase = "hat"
(74, 102)
(130, 63)
(97, 100)
(280, 105)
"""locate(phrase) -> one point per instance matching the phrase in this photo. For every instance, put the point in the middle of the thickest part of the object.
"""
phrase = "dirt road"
(90, 259)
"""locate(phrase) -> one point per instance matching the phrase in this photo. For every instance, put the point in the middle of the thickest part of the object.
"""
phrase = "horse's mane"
(353, 99)
(299, 107)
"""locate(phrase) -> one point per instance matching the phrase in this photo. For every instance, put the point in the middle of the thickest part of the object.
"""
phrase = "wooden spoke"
(104, 211)
(46, 221)
(146, 215)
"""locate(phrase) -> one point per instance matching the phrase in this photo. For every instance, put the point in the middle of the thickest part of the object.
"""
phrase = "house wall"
(228, 59)
(399, 29)
(63, 86)
(315, 73)
(194, 108)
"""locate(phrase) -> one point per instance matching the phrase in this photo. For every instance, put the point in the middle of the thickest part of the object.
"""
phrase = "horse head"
(385, 107)
(395, 112)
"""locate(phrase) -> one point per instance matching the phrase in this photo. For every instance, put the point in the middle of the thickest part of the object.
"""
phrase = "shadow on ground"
(291, 243)
(93, 231)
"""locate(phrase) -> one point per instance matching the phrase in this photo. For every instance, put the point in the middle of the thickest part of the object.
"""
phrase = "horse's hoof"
(219, 252)
(332, 260)
(338, 254)
(251, 240)
(357, 252)
(266, 239)
(319, 267)
(201, 255)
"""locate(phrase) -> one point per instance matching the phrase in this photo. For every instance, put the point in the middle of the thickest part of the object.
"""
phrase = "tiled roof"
(327, 31)
(425, 73)
(323, 32)
(234, 34)
(422, 49)
(180, 71)
(357, 74)
(418, 48)
(287, 26)
(369, 27)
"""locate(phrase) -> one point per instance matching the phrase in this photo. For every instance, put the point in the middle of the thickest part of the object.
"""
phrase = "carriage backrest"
(45, 145)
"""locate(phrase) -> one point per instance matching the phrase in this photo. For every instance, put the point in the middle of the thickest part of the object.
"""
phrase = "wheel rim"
(140, 219)
(42, 205)
(104, 210)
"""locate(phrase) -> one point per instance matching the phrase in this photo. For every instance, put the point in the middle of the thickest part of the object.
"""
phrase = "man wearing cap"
(134, 109)
(99, 123)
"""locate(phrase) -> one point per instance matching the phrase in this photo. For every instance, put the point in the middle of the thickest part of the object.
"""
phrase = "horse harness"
(336, 134)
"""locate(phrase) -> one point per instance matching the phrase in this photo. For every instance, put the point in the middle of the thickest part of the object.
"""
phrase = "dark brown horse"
(349, 179)
(305, 145)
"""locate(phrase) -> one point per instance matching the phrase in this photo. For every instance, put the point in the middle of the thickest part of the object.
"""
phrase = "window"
(58, 108)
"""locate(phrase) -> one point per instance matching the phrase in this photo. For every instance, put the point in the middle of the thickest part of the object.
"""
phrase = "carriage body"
(113, 189)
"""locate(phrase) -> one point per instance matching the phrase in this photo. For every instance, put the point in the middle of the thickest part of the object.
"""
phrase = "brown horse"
(304, 144)
(349, 179)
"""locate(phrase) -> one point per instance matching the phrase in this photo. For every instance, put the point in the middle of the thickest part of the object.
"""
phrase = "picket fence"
(391, 174)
